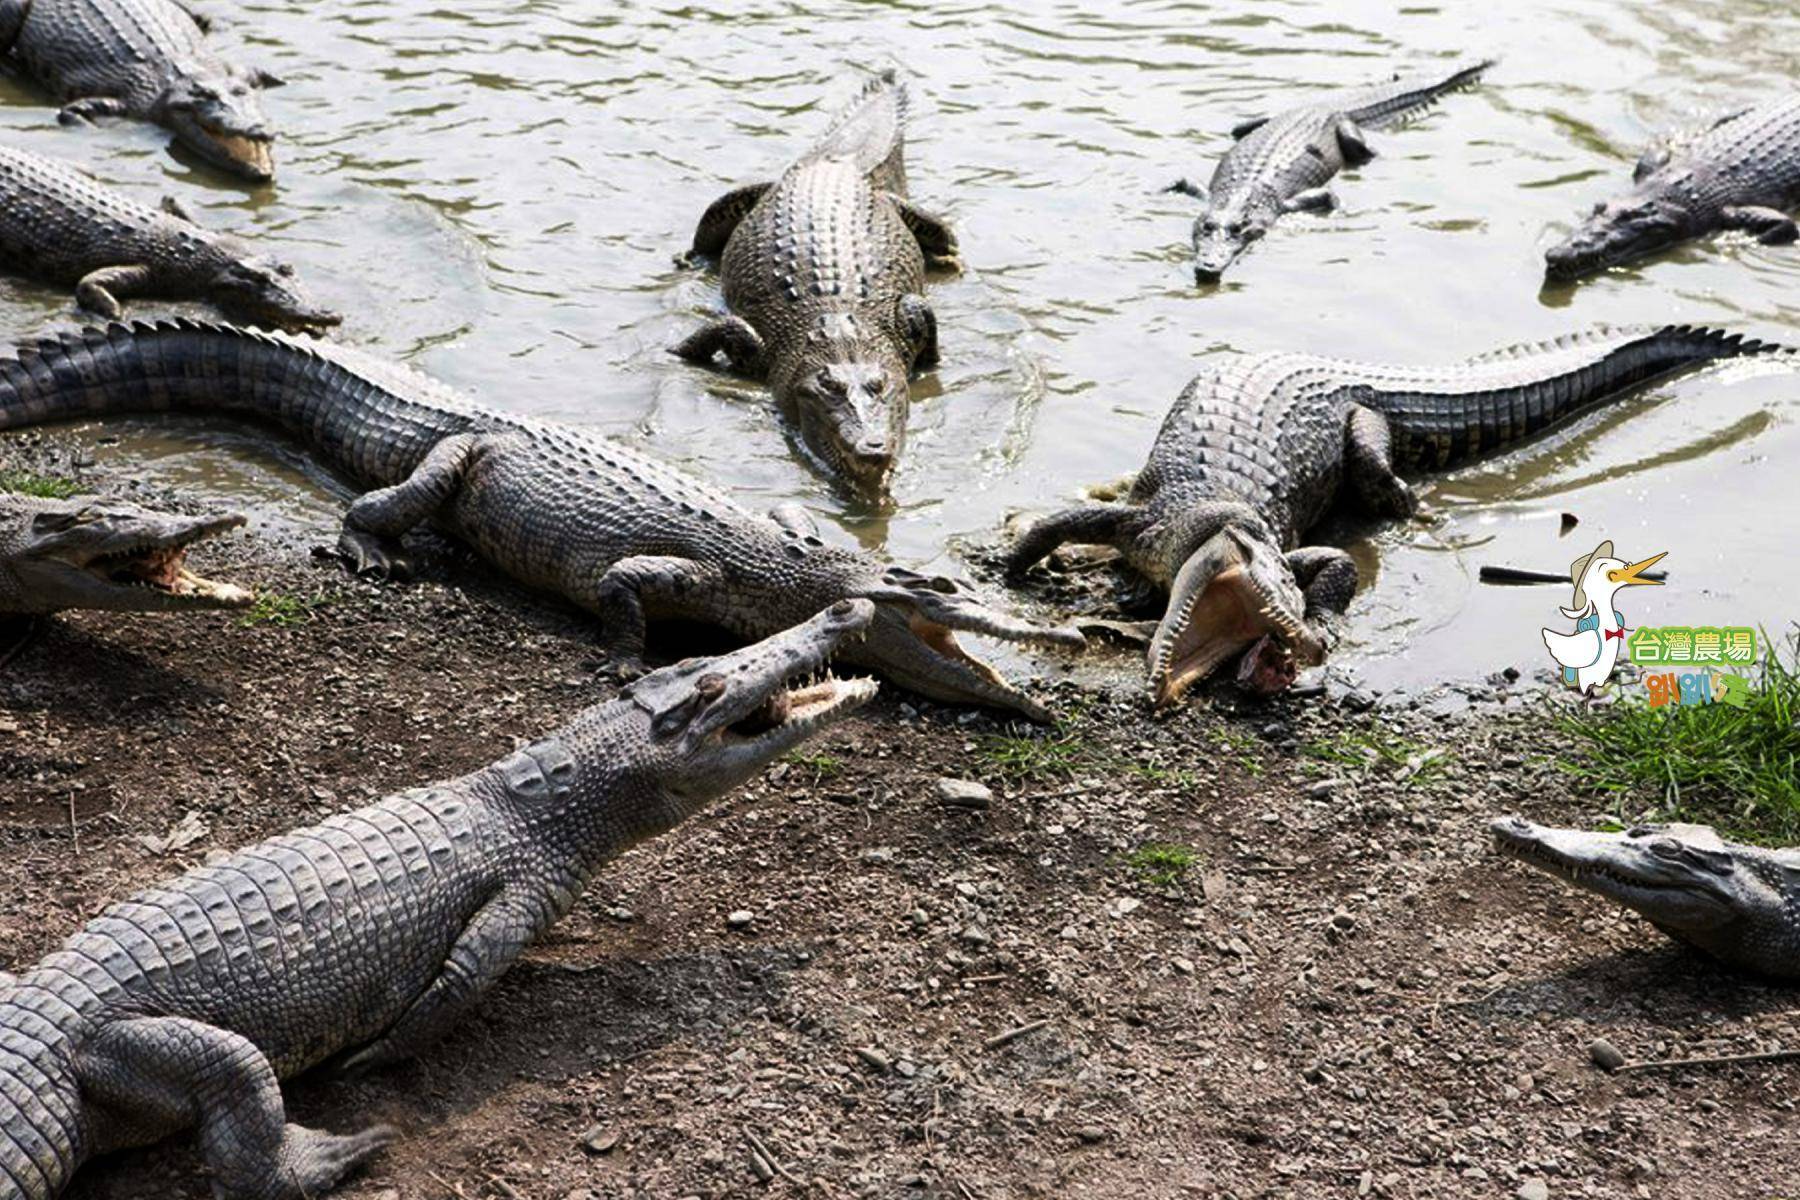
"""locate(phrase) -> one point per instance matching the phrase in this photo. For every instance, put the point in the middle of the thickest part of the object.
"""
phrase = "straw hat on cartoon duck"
(1588, 655)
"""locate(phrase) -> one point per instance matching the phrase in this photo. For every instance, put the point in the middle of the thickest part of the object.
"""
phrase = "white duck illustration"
(1588, 655)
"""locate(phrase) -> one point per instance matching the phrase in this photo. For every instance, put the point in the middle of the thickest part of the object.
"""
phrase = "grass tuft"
(1736, 768)
(1162, 863)
(283, 609)
(47, 487)
(822, 766)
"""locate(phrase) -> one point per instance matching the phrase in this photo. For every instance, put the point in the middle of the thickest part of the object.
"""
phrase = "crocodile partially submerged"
(824, 273)
(1257, 448)
(1281, 164)
(149, 60)
(1742, 172)
(1740, 904)
(61, 225)
(363, 939)
(102, 554)
(555, 506)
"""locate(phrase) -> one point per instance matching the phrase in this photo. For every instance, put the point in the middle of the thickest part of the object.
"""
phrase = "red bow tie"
(1613, 633)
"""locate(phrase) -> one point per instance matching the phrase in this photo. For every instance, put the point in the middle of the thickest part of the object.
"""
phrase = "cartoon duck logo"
(1588, 655)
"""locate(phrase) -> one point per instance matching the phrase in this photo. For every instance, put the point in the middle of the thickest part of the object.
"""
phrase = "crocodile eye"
(710, 687)
(828, 383)
(872, 386)
(1666, 848)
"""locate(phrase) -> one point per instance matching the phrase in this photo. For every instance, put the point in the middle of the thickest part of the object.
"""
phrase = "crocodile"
(149, 60)
(1256, 449)
(62, 225)
(1280, 164)
(109, 555)
(1742, 172)
(361, 940)
(824, 274)
(555, 506)
(1740, 904)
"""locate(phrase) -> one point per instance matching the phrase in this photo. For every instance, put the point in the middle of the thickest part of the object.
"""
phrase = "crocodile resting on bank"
(1281, 164)
(147, 59)
(554, 506)
(365, 938)
(1740, 904)
(62, 225)
(1256, 449)
(1742, 172)
(104, 554)
(824, 273)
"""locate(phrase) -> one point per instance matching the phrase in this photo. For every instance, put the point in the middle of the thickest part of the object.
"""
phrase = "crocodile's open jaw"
(163, 570)
(1231, 596)
(253, 157)
(796, 711)
(117, 557)
(1673, 878)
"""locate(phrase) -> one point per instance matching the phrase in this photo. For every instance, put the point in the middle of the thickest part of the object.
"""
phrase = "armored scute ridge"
(557, 507)
(1743, 172)
(368, 937)
(824, 273)
(1255, 451)
(147, 59)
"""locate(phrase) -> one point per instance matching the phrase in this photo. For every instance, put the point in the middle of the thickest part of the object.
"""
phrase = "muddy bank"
(1241, 951)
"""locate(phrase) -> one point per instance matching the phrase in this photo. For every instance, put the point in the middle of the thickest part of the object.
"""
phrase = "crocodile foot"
(370, 556)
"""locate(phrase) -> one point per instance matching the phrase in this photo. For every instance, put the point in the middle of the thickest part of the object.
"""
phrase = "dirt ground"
(1344, 993)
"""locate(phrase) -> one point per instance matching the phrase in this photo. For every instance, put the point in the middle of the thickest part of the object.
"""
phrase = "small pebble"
(1534, 1189)
(963, 793)
(739, 918)
(1606, 1056)
(599, 1140)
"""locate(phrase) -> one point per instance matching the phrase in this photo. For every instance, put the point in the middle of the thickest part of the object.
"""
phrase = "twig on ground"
(761, 1147)
(1721, 1060)
(1013, 1034)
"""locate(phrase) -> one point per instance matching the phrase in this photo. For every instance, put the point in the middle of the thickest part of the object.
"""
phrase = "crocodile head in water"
(259, 290)
(107, 555)
(1223, 233)
(851, 413)
(220, 117)
(1232, 593)
(1619, 230)
(703, 726)
(913, 640)
(1741, 904)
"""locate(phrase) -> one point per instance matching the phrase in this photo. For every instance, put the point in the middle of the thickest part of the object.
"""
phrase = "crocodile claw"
(372, 557)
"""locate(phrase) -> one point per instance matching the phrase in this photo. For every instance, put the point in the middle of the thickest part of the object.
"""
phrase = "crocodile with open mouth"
(824, 274)
(147, 59)
(1741, 172)
(363, 939)
(1740, 904)
(555, 506)
(1255, 450)
(62, 225)
(104, 554)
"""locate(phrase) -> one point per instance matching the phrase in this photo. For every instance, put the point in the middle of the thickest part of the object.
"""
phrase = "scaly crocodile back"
(1385, 105)
(129, 49)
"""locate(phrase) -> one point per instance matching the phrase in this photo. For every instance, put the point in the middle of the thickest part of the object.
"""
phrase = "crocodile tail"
(1443, 416)
(343, 407)
(871, 130)
(39, 1119)
(1388, 104)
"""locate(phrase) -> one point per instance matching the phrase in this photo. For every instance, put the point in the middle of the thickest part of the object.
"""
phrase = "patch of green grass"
(1162, 863)
(49, 487)
(822, 766)
(1737, 768)
(1376, 747)
(1059, 755)
(283, 609)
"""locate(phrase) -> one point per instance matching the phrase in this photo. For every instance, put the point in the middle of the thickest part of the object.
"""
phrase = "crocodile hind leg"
(720, 220)
(370, 541)
(937, 241)
(648, 581)
(1353, 143)
(169, 1072)
(743, 346)
(1771, 226)
(1090, 523)
(919, 323)
(488, 945)
(101, 290)
(1369, 465)
(85, 110)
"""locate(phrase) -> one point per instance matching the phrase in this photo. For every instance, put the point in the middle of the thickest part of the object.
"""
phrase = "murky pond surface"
(495, 192)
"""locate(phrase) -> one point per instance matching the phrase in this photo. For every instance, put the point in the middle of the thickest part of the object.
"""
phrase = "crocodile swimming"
(1281, 164)
(555, 506)
(1742, 172)
(1740, 904)
(1257, 448)
(96, 553)
(362, 940)
(824, 273)
(61, 225)
(145, 59)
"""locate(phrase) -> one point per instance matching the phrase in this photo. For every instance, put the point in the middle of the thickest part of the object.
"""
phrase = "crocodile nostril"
(842, 608)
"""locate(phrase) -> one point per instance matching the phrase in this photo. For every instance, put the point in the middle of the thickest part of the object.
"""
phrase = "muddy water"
(494, 191)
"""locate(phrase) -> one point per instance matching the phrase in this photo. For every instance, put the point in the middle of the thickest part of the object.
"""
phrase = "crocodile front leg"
(720, 221)
(101, 290)
(1314, 200)
(1771, 226)
(919, 323)
(489, 946)
(374, 524)
(1102, 524)
(661, 582)
(163, 1072)
(937, 241)
(1369, 465)
(85, 110)
(1327, 577)
(743, 346)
